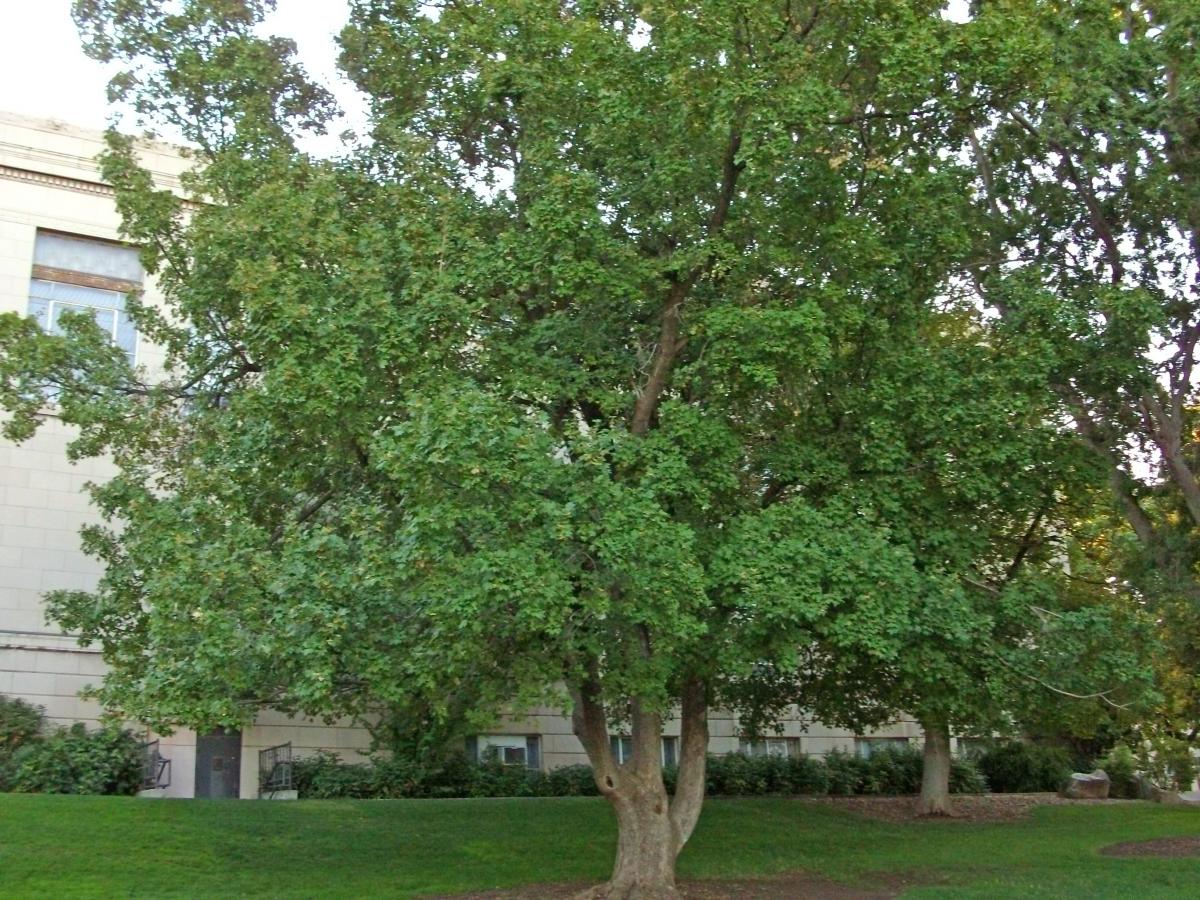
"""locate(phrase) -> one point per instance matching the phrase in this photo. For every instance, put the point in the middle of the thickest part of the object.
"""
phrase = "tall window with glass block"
(87, 275)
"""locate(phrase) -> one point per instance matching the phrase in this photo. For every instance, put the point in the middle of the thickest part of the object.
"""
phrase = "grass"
(115, 846)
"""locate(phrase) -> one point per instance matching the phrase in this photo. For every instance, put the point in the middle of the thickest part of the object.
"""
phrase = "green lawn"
(109, 846)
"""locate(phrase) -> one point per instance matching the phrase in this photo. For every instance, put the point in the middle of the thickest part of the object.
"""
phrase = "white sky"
(44, 73)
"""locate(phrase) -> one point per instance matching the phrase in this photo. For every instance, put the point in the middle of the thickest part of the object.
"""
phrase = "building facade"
(60, 249)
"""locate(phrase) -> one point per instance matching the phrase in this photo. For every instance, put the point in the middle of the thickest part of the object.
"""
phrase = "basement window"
(779, 747)
(866, 747)
(622, 749)
(517, 750)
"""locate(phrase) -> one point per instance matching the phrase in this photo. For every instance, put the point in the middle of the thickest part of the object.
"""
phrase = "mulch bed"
(1171, 847)
(967, 807)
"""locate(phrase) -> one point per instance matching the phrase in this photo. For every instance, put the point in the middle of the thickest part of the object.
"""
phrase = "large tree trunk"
(646, 845)
(651, 826)
(935, 777)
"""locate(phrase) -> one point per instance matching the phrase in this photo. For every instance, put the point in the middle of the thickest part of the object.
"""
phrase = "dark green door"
(219, 764)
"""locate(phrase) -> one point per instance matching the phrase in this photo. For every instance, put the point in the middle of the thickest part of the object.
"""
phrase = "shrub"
(76, 761)
(893, 770)
(736, 775)
(965, 777)
(577, 781)
(847, 773)
(325, 776)
(807, 776)
(20, 723)
(1018, 767)
(1121, 766)
(1169, 763)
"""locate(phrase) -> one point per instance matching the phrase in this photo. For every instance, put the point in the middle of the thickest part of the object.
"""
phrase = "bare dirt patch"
(1170, 847)
(967, 807)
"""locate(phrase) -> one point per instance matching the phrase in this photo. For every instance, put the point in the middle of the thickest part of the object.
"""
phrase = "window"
(780, 747)
(865, 747)
(622, 749)
(972, 748)
(670, 751)
(506, 749)
(84, 275)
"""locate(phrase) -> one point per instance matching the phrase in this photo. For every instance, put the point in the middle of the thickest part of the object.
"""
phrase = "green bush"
(1017, 767)
(1121, 766)
(325, 776)
(20, 723)
(894, 770)
(847, 773)
(736, 775)
(1169, 763)
(807, 775)
(965, 777)
(76, 761)
(577, 781)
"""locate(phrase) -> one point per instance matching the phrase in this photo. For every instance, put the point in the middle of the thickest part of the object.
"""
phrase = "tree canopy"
(635, 363)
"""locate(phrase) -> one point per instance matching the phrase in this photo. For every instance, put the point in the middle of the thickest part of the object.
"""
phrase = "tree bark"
(646, 844)
(651, 826)
(935, 776)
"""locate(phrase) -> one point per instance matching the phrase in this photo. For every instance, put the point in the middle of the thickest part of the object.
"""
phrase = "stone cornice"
(95, 188)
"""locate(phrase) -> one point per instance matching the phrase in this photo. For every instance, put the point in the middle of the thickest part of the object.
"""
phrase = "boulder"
(1086, 786)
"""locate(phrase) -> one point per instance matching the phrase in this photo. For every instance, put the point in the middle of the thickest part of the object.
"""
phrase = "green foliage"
(1016, 767)
(737, 774)
(20, 723)
(847, 773)
(324, 776)
(1121, 766)
(1169, 762)
(894, 770)
(639, 366)
(77, 761)
(965, 777)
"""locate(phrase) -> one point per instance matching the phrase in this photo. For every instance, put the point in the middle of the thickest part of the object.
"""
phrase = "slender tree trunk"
(935, 777)
(651, 826)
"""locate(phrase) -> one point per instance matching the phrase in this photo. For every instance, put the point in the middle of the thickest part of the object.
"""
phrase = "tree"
(1088, 186)
(558, 381)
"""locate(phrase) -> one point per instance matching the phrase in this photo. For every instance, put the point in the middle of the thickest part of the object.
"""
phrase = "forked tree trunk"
(652, 827)
(646, 845)
(935, 776)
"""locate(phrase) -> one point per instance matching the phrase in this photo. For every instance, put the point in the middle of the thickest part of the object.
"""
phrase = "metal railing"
(275, 771)
(156, 769)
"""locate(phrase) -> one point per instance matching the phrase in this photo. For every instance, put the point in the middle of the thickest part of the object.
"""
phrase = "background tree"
(1089, 193)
